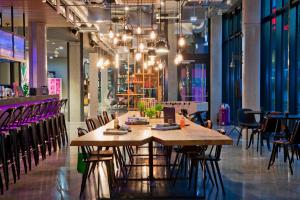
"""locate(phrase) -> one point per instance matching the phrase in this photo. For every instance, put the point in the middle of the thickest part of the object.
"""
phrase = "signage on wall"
(12, 47)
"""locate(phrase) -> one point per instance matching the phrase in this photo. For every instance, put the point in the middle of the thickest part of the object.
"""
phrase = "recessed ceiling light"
(126, 8)
(61, 47)
(50, 57)
(53, 43)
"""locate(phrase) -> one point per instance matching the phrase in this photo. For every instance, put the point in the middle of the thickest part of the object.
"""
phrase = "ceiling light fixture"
(162, 47)
(151, 53)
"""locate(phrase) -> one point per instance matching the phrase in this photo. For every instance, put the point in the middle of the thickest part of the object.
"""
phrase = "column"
(251, 59)
(104, 89)
(93, 85)
(75, 82)
(37, 32)
(172, 68)
(215, 66)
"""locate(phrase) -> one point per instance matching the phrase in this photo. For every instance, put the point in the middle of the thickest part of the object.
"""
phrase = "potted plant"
(141, 107)
(150, 112)
(158, 108)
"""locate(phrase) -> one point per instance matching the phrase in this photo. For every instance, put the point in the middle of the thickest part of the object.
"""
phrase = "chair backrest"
(27, 113)
(113, 116)
(81, 132)
(245, 118)
(105, 115)
(84, 149)
(271, 125)
(295, 137)
(92, 124)
(184, 112)
(100, 119)
(16, 116)
(5, 118)
(37, 109)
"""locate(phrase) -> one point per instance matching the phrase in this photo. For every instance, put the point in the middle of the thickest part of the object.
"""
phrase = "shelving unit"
(137, 82)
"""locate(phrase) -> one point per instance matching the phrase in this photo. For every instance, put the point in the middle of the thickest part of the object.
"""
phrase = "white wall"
(60, 67)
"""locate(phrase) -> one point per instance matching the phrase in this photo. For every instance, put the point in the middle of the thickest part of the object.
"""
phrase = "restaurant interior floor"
(245, 176)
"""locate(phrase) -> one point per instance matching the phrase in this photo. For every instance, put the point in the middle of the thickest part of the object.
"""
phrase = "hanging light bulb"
(141, 46)
(178, 58)
(100, 63)
(152, 35)
(115, 40)
(139, 30)
(160, 66)
(138, 56)
(111, 33)
(145, 65)
(181, 41)
(106, 63)
(124, 37)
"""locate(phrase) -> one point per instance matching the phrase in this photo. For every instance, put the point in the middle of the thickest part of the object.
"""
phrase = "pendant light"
(110, 32)
(152, 33)
(181, 40)
(151, 53)
(139, 29)
(161, 45)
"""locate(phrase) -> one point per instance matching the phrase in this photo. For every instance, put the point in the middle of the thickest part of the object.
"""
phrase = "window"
(280, 56)
(232, 65)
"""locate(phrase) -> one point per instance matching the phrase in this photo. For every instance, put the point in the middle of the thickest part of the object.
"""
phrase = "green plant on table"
(150, 112)
(141, 106)
(158, 107)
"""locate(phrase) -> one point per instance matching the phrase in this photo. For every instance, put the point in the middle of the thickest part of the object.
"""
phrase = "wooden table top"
(193, 134)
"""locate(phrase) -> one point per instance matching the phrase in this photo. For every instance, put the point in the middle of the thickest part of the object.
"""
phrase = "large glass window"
(280, 56)
(232, 61)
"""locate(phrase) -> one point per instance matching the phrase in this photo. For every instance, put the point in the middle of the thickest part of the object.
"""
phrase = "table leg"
(151, 177)
(247, 136)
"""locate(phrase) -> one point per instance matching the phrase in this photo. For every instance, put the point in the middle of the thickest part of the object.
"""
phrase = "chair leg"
(174, 165)
(289, 159)
(220, 176)
(214, 173)
(240, 135)
(178, 169)
(1, 184)
(196, 176)
(272, 157)
(84, 178)
(191, 172)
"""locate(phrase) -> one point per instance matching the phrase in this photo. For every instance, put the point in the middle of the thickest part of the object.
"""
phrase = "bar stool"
(6, 155)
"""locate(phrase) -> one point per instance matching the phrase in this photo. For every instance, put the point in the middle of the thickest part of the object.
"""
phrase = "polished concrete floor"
(245, 176)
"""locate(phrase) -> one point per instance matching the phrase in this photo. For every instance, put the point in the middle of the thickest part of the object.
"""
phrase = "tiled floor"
(244, 172)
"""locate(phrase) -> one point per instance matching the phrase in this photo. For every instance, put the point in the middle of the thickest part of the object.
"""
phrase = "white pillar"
(37, 54)
(75, 90)
(215, 66)
(104, 89)
(172, 68)
(93, 85)
(251, 59)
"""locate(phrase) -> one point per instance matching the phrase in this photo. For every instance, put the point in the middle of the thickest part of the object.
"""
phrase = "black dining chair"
(286, 143)
(246, 121)
(92, 159)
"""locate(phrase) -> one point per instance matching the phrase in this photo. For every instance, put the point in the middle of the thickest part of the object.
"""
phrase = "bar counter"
(8, 101)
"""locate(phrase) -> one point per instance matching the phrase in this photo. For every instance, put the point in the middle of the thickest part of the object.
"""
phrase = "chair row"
(28, 132)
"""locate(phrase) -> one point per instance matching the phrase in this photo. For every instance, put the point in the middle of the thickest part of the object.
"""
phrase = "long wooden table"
(193, 134)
